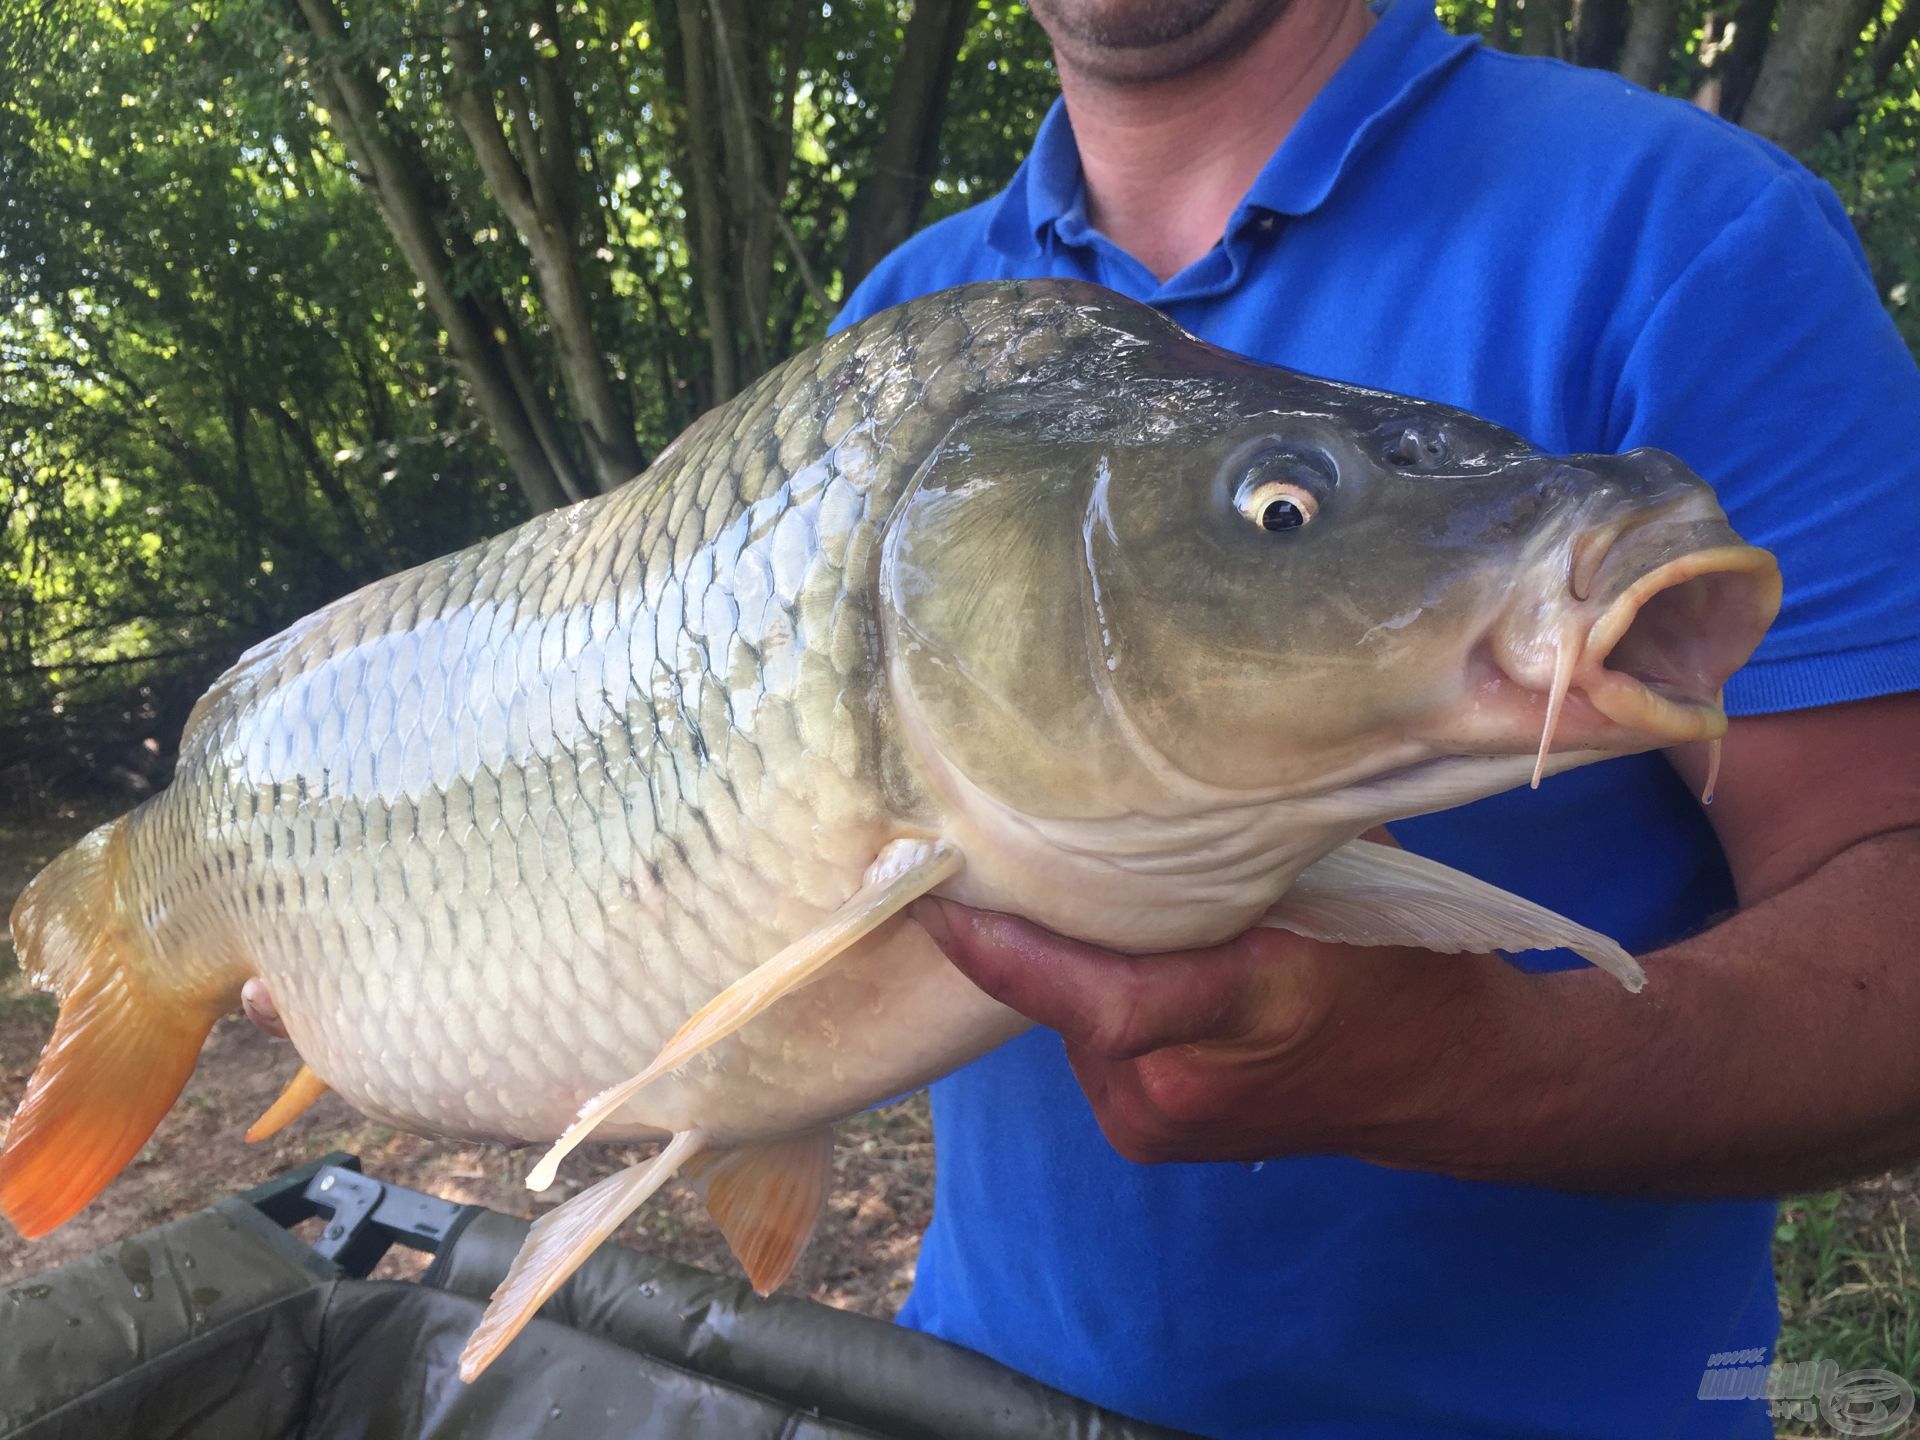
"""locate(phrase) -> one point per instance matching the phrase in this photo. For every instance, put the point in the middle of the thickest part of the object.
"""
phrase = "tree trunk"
(1644, 60)
(536, 192)
(1543, 28)
(1737, 65)
(888, 203)
(1894, 42)
(706, 212)
(1500, 25)
(752, 199)
(1599, 30)
(400, 184)
(1793, 97)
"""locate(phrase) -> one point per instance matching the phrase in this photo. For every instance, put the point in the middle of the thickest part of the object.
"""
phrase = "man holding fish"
(1493, 1200)
(1020, 596)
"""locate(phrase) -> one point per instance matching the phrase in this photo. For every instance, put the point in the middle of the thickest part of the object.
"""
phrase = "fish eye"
(1277, 504)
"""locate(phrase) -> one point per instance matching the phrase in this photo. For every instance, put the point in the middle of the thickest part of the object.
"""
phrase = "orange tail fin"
(121, 1050)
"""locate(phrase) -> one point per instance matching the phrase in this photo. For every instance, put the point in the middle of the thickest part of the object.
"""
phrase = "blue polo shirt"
(1597, 268)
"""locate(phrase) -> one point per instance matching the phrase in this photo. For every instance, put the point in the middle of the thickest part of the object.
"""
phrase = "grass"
(1847, 1263)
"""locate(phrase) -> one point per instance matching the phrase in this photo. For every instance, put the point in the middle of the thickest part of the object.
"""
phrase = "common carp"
(1017, 594)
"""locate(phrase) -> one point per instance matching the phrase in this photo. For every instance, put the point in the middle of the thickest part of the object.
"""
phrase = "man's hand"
(1772, 1052)
(1232, 1053)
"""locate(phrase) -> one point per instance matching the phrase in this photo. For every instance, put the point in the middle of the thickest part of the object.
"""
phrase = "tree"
(1811, 49)
(729, 96)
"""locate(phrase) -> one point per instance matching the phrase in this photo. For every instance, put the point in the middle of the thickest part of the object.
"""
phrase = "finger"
(257, 1001)
(1116, 1006)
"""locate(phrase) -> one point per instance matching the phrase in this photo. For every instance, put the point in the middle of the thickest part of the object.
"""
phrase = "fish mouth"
(1659, 655)
(1631, 645)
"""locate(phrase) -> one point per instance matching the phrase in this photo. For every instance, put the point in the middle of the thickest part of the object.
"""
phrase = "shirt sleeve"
(1770, 366)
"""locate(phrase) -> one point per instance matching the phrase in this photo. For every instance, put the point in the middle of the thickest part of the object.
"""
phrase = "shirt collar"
(1403, 55)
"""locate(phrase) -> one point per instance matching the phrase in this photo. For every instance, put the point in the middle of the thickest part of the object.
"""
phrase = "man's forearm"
(1776, 1051)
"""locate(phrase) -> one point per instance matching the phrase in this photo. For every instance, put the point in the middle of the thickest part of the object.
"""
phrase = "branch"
(1599, 30)
(1733, 63)
(525, 192)
(1793, 98)
(707, 235)
(1543, 28)
(1888, 51)
(802, 265)
(1894, 42)
(889, 200)
(1500, 29)
(400, 185)
(559, 145)
(755, 207)
(793, 50)
(1649, 46)
(325, 477)
(89, 666)
(480, 123)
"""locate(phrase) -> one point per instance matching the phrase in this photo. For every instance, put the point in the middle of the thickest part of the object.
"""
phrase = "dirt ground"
(861, 1258)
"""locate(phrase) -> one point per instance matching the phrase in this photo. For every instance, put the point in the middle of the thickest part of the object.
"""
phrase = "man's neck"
(1167, 161)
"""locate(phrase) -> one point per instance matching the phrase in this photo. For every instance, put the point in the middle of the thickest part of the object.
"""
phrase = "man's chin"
(1134, 42)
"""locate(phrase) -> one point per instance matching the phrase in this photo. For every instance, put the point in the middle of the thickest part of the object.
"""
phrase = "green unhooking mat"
(222, 1326)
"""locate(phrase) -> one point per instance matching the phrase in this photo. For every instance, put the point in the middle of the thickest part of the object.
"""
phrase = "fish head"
(1323, 602)
(1174, 581)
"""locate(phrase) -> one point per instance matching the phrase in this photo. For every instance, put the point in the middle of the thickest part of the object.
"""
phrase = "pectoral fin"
(904, 871)
(561, 1240)
(1368, 894)
(767, 1199)
(302, 1091)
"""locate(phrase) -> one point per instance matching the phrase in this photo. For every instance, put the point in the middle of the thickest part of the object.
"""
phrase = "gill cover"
(986, 604)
